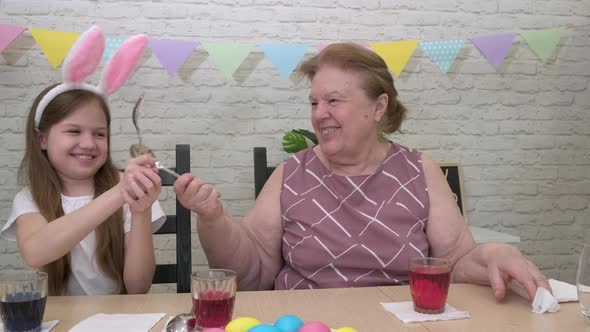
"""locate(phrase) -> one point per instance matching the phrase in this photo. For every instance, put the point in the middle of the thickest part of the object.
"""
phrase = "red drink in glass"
(429, 284)
(214, 294)
(213, 308)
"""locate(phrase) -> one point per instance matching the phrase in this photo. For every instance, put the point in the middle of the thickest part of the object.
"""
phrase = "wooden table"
(356, 307)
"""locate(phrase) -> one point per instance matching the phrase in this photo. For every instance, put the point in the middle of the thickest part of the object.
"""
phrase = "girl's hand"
(199, 197)
(141, 184)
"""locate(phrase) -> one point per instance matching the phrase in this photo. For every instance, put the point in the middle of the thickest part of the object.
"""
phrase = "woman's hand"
(504, 263)
(141, 184)
(199, 197)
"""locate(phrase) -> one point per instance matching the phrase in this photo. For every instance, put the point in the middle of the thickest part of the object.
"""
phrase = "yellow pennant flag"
(54, 44)
(395, 54)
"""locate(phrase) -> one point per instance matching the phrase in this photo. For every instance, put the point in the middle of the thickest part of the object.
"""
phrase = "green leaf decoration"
(294, 142)
(310, 135)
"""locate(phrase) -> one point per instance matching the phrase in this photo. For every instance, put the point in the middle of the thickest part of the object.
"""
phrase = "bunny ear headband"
(84, 58)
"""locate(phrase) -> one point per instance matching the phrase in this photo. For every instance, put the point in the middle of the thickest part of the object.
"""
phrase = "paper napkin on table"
(544, 301)
(118, 322)
(404, 311)
(562, 291)
(45, 327)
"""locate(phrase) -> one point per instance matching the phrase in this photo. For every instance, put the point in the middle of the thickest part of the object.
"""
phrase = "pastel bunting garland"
(172, 54)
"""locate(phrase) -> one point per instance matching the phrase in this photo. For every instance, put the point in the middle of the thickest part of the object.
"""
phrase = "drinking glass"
(23, 295)
(214, 294)
(429, 284)
(583, 280)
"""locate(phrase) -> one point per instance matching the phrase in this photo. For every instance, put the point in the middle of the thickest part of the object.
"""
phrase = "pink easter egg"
(314, 327)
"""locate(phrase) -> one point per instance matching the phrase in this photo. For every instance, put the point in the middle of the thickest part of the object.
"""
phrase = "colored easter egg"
(346, 329)
(264, 328)
(242, 324)
(215, 329)
(314, 327)
(289, 323)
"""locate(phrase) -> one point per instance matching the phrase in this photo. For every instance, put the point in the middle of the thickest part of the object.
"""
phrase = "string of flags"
(172, 54)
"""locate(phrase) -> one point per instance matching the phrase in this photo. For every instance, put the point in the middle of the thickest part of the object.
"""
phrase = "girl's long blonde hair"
(37, 172)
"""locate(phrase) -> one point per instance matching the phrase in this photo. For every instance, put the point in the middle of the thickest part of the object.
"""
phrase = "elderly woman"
(354, 209)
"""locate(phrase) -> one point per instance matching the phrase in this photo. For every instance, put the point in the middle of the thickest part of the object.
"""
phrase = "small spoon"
(138, 149)
(181, 323)
(166, 169)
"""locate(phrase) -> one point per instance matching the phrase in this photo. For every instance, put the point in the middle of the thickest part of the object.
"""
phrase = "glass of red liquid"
(214, 294)
(429, 283)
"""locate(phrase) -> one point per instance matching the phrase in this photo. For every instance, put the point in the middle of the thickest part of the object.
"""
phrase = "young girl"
(78, 218)
(69, 219)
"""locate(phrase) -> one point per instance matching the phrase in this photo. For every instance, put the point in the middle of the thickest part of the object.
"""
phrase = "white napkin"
(404, 311)
(544, 301)
(118, 322)
(563, 292)
(45, 327)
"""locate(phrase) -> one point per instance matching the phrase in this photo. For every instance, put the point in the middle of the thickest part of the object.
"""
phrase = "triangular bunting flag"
(542, 42)
(8, 34)
(395, 54)
(284, 56)
(442, 52)
(228, 56)
(111, 45)
(172, 53)
(54, 44)
(494, 47)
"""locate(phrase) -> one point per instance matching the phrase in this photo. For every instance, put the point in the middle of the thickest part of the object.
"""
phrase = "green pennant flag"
(228, 56)
(542, 42)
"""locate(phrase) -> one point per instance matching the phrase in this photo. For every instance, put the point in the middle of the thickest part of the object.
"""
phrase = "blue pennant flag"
(442, 52)
(284, 56)
(111, 45)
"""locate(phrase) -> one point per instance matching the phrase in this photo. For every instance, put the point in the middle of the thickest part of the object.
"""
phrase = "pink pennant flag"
(8, 34)
(494, 47)
(172, 53)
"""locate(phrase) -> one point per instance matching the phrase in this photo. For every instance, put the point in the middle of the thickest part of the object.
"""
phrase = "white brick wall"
(522, 134)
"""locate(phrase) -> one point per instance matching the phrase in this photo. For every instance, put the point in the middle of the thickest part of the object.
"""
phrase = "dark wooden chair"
(452, 171)
(261, 170)
(179, 224)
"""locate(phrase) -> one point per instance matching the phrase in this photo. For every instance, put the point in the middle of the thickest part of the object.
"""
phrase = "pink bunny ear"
(122, 64)
(84, 56)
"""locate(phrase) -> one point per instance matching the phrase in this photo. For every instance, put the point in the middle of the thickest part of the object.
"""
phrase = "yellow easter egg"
(242, 324)
(346, 329)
